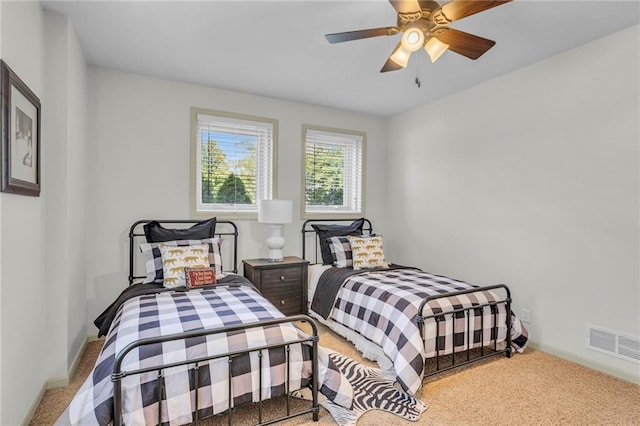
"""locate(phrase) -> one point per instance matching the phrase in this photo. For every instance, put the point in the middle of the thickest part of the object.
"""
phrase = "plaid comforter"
(169, 312)
(383, 306)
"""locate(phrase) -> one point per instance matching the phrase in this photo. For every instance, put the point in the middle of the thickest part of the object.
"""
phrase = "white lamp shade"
(435, 48)
(275, 211)
(401, 56)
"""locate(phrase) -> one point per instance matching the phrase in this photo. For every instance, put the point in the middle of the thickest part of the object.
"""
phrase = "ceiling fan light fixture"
(412, 39)
(435, 48)
(401, 56)
(424, 24)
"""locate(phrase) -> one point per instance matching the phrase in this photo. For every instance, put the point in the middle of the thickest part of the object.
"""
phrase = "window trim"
(335, 214)
(193, 199)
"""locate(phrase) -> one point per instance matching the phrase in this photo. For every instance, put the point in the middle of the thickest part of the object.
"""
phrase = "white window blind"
(234, 163)
(333, 171)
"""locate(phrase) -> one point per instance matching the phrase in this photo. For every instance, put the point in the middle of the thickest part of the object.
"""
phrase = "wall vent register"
(613, 343)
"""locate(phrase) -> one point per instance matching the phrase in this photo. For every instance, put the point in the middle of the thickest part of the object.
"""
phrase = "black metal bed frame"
(118, 374)
(469, 354)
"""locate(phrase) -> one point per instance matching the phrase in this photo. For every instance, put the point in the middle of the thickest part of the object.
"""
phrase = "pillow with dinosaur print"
(176, 258)
(367, 252)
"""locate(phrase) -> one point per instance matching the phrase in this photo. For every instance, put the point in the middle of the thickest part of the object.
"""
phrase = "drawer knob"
(282, 302)
(282, 278)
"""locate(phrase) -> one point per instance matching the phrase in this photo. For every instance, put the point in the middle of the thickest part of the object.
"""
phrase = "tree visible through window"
(333, 167)
(325, 175)
(234, 161)
(228, 168)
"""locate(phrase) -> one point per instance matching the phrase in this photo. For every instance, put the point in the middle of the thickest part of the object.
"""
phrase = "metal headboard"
(224, 228)
(307, 229)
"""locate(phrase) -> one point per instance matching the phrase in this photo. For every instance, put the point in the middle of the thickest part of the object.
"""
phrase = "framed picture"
(20, 135)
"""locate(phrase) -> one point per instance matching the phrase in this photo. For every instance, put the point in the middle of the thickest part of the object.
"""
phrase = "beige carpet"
(532, 388)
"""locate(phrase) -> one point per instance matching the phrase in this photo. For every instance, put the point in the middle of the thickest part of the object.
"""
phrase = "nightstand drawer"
(286, 298)
(284, 283)
(291, 275)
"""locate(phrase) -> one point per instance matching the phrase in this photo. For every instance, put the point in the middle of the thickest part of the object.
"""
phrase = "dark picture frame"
(20, 109)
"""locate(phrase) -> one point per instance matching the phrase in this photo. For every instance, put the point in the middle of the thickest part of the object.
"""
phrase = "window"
(234, 161)
(333, 171)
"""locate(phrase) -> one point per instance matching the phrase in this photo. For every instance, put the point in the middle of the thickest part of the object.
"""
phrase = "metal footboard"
(465, 312)
(118, 374)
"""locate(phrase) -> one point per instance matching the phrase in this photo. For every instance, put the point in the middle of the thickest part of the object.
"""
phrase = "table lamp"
(276, 213)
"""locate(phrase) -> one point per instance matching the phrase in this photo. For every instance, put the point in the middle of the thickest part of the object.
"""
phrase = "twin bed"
(175, 354)
(413, 323)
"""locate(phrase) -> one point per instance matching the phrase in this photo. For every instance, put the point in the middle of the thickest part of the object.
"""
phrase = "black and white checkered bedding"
(383, 306)
(170, 312)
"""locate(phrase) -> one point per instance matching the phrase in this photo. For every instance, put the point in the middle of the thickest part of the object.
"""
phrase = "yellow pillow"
(367, 252)
(176, 258)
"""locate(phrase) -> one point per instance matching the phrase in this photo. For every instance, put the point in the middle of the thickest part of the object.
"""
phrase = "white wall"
(79, 238)
(140, 159)
(42, 312)
(532, 179)
(65, 196)
(22, 228)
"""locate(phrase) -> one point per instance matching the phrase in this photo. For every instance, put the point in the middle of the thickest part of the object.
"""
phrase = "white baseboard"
(56, 382)
(26, 420)
(61, 381)
(626, 376)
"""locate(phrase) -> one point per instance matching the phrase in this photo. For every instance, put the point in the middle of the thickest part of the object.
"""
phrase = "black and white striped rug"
(372, 391)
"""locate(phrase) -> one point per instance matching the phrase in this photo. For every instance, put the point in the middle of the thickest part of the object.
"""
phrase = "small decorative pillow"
(198, 277)
(175, 259)
(341, 252)
(153, 257)
(367, 252)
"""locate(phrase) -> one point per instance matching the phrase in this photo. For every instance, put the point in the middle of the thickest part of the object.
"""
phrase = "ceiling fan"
(423, 23)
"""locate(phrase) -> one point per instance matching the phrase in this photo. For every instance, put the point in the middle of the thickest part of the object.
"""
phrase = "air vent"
(614, 343)
(629, 348)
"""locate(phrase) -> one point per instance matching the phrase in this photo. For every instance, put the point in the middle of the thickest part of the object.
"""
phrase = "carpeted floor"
(532, 388)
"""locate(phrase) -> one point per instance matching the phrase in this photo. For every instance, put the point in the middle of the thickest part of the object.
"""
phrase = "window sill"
(331, 215)
(224, 215)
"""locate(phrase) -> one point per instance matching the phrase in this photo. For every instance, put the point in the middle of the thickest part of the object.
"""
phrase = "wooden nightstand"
(283, 283)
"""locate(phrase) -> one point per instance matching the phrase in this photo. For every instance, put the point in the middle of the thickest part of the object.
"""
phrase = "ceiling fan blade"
(405, 6)
(465, 44)
(357, 35)
(398, 55)
(390, 66)
(458, 9)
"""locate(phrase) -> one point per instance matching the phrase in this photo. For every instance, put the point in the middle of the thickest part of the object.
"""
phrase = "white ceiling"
(278, 49)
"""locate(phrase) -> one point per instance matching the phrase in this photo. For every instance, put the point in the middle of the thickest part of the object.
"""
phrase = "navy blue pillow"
(156, 233)
(327, 231)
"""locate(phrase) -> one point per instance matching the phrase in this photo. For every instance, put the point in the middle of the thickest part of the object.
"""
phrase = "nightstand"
(283, 283)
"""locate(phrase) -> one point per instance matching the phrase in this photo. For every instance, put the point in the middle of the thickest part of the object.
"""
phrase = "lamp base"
(275, 257)
(275, 242)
